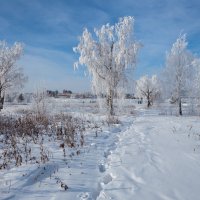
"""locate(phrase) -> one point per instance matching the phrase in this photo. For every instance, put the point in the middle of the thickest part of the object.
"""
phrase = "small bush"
(19, 136)
(113, 120)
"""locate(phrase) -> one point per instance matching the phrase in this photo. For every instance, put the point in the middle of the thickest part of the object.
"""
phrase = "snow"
(147, 156)
(152, 161)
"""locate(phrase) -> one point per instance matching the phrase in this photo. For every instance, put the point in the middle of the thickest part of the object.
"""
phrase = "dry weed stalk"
(19, 136)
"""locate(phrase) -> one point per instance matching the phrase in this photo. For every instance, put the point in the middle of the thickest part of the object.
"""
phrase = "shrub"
(19, 135)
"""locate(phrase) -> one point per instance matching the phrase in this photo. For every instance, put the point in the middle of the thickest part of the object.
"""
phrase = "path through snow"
(149, 157)
(154, 159)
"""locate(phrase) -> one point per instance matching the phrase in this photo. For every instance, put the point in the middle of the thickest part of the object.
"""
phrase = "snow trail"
(148, 157)
(82, 173)
(153, 162)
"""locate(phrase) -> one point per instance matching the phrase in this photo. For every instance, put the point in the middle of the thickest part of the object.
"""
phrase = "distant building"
(130, 96)
(67, 95)
(67, 92)
(51, 93)
(86, 95)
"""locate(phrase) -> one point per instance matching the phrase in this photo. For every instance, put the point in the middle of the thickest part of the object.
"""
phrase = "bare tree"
(10, 74)
(40, 101)
(148, 88)
(108, 57)
(178, 71)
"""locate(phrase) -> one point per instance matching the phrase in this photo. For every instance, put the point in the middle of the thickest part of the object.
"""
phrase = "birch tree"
(148, 88)
(196, 80)
(107, 56)
(178, 71)
(10, 74)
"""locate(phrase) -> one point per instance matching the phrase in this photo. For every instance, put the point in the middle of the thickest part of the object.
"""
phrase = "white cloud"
(53, 27)
(41, 67)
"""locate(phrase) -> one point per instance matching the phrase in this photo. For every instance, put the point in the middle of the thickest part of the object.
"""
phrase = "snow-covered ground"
(156, 158)
(146, 156)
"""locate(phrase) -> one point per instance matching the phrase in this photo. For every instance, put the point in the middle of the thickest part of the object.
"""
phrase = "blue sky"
(50, 29)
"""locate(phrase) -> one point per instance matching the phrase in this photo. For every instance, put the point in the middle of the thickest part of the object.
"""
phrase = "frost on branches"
(108, 56)
(148, 88)
(178, 71)
(10, 74)
(196, 80)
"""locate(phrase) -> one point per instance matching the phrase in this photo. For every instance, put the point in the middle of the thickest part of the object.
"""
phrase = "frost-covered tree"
(40, 101)
(148, 88)
(10, 74)
(196, 80)
(178, 74)
(107, 56)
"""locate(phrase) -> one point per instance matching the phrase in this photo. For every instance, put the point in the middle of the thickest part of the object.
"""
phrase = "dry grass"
(19, 136)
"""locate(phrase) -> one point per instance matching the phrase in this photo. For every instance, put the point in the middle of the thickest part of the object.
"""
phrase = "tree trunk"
(1, 101)
(148, 103)
(180, 106)
(110, 98)
(148, 100)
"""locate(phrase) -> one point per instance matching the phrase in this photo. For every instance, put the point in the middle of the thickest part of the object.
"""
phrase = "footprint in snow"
(85, 196)
(107, 153)
(103, 196)
(102, 167)
(107, 178)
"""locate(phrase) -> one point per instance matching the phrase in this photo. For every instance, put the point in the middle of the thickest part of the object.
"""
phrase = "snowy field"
(146, 155)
